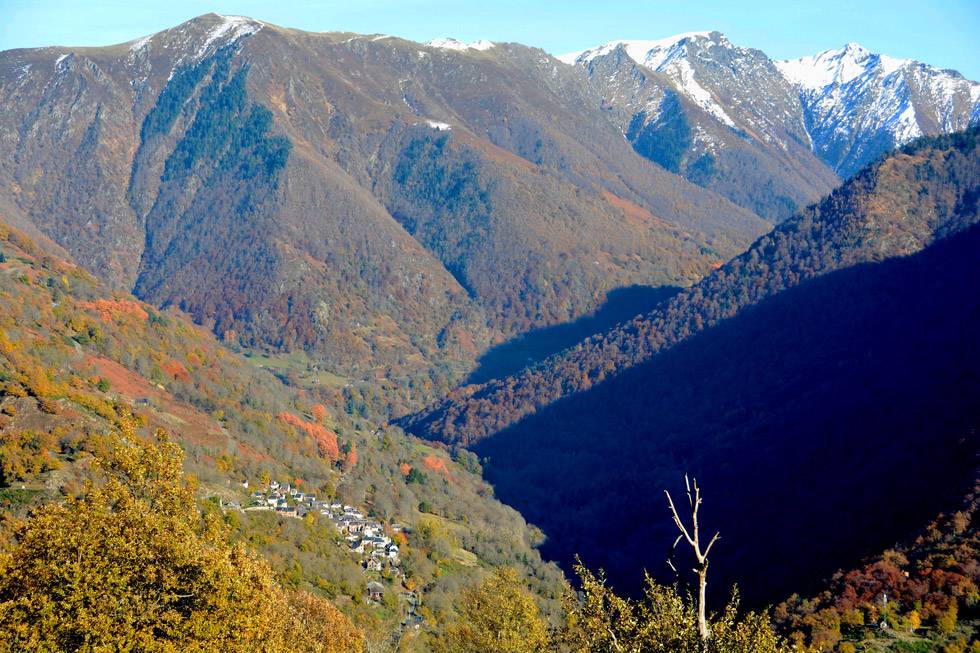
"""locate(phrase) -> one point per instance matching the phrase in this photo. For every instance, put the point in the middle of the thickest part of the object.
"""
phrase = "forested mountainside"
(829, 420)
(925, 586)
(81, 366)
(770, 135)
(388, 210)
(895, 207)
(389, 207)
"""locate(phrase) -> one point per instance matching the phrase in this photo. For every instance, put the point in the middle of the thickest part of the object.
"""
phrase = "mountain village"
(366, 538)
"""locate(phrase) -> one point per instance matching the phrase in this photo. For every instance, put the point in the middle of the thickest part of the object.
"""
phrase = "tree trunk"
(702, 611)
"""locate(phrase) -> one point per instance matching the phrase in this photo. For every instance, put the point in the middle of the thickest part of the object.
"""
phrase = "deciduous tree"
(499, 615)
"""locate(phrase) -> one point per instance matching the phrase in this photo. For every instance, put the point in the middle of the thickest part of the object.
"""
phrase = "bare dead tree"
(693, 539)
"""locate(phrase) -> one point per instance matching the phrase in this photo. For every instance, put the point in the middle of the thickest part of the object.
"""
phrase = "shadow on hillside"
(621, 304)
(823, 425)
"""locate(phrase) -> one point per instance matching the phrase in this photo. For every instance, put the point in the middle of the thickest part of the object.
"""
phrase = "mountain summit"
(699, 104)
(856, 101)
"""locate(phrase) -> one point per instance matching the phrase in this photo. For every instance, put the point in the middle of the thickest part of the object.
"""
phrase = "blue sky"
(945, 33)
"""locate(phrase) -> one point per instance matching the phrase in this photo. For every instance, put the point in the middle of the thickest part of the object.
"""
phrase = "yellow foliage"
(499, 615)
(6, 346)
(914, 621)
(661, 622)
(131, 565)
(946, 623)
(13, 389)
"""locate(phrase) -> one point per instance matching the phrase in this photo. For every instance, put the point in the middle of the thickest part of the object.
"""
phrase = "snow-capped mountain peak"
(839, 66)
(205, 33)
(853, 96)
(229, 29)
(669, 56)
(847, 104)
(650, 53)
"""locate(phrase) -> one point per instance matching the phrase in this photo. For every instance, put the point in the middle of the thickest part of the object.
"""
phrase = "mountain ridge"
(851, 105)
(864, 220)
(348, 239)
(409, 205)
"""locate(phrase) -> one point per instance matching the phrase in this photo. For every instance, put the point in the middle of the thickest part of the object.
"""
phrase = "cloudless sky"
(944, 33)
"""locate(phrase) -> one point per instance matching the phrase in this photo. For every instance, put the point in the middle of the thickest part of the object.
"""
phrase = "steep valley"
(432, 323)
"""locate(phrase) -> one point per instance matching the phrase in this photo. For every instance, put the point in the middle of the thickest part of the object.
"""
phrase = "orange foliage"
(319, 412)
(351, 459)
(196, 426)
(437, 464)
(405, 469)
(326, 440)
(110, 309)
(176, 369)
(635, 214)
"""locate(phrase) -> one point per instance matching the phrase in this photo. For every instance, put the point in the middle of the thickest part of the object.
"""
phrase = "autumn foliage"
(499, 615)
(926, 583)
(438, 465)
(319, 413)
(131, 565)
(110, 310)
(350, 460)
(326, 440)
(175, 369)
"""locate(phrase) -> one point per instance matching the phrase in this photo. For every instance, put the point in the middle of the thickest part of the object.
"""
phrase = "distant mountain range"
(388, 206)
(392, 208)
(757, 130)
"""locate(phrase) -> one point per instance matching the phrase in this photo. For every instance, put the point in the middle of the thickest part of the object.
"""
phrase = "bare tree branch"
(711, 544)
(677, 519)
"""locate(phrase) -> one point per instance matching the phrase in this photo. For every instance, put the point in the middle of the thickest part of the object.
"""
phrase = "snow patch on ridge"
(139, 44)
(231, 28)
(638, 50)
(459, 46)
(684, 74)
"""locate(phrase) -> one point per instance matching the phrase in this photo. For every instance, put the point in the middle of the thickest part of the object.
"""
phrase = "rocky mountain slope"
(389, 207)
(721, 115)
(770, 135)
(858, 104)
